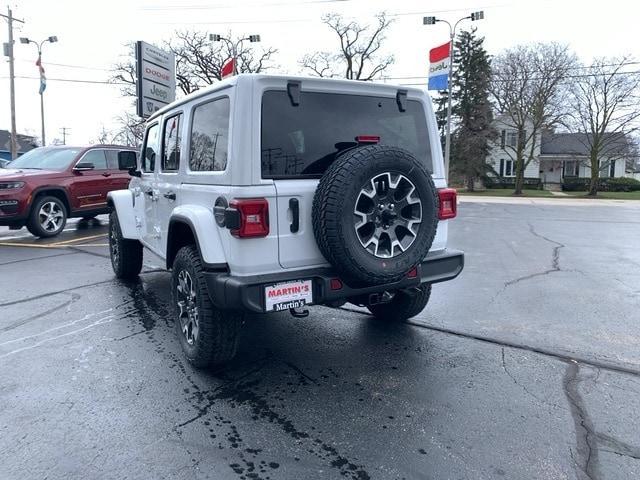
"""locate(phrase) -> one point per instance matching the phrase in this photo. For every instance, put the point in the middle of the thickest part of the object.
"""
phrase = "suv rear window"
(303, 141)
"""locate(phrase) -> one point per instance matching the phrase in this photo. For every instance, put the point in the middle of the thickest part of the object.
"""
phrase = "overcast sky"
(91, 37)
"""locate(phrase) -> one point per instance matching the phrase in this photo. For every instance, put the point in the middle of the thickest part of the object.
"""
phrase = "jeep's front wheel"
(126, 254)
(404, 305)
(208, 336)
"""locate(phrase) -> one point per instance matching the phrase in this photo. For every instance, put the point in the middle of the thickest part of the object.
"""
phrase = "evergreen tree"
(472, 114)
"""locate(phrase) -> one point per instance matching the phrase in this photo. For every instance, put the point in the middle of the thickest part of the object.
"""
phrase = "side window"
(171, 144)
(97, 157)
(210, 136)
(112, 159)
(150, 149)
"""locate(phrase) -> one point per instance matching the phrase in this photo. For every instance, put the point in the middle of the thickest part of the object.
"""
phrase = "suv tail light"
(447, 205)
(253, 217)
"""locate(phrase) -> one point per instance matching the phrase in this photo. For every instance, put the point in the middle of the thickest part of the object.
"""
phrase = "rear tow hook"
(299, 314)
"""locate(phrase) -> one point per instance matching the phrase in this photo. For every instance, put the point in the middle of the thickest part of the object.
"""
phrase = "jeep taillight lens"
(254, 217)
(448, 203)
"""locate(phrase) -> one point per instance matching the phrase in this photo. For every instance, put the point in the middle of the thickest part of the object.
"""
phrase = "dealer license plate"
(284, 296)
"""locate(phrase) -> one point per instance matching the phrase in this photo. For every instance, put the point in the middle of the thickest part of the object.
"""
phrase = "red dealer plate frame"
(286, 295)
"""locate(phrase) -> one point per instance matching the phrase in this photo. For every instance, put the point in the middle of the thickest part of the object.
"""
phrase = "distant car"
(47, 185)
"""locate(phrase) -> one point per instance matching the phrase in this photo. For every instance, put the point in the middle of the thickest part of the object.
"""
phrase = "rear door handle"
(106, 174)
(294, 205)
(170, 195)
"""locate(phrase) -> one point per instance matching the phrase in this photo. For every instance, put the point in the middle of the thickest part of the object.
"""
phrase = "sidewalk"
(565, 200)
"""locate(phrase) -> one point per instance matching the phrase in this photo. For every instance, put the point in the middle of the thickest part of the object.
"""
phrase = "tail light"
(253, 218)
(364, 139)
(448, 203)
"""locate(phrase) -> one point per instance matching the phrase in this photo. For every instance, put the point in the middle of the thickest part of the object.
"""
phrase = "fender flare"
(202, 224)
(43, 189)
(122, 202)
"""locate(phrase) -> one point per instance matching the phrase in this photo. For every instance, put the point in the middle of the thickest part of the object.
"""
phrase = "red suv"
(47, 185)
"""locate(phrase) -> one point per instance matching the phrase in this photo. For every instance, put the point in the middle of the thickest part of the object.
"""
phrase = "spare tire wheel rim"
(387, 214)
(187, 307)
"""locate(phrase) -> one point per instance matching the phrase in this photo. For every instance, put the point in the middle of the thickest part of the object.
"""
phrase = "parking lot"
(525, 367)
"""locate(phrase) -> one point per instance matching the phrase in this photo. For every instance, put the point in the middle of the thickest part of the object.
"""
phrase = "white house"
(556, 156)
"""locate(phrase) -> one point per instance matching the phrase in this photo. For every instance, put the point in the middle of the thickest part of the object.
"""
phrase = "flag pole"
(41, 95)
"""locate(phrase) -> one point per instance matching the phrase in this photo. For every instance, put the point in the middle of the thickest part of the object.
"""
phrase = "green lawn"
(611, 195)
(505, 192)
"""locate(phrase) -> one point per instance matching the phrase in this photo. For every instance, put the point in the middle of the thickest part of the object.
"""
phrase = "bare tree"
(130, 130)
(606, 108)
(123, 72)
(359, 53)
(199, 61)
(529, 90)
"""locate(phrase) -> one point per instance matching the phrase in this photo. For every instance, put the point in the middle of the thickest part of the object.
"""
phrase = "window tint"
(97, 157)
(112, 159)
(171, 146)
(150, 149)
(210, 136)
(305, 140)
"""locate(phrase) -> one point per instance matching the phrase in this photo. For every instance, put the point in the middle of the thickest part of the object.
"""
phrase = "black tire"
(334, 218)
(216, 339)
(126, 255)
(35, 222)
(404, 305)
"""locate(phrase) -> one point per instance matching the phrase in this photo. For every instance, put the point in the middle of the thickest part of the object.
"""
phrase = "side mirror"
(127, 160)
(134, 172)
(83, 166)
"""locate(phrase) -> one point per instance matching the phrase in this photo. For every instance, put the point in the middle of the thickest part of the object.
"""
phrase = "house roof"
(25, 142)
(579, 144)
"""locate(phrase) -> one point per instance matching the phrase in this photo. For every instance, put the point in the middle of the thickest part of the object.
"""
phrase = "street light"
(43, 85)
(214, 37)
(475, 16)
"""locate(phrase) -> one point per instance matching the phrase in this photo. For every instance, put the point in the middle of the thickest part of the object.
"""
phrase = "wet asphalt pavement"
(525, 367)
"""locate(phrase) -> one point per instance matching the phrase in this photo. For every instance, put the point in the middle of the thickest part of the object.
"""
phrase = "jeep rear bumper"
(233, 292)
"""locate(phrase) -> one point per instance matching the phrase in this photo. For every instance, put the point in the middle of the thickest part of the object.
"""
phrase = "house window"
(509, 139)
(507, 168)
(571, 168)
(612, 169)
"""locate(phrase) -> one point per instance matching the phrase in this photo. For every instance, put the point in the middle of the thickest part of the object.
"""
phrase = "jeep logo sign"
(156, 78)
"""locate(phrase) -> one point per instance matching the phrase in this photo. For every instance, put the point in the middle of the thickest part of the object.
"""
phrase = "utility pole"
(8, 51)
(63, 131)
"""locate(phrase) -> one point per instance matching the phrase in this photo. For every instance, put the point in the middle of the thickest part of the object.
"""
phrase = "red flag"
(228, 68)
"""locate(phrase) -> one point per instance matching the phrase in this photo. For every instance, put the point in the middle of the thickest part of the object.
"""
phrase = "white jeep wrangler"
(268, 193)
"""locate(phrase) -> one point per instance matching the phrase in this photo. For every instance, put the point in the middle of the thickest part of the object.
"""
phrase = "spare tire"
(375, 214)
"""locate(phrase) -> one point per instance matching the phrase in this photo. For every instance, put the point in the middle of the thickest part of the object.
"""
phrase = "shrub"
(620, 184)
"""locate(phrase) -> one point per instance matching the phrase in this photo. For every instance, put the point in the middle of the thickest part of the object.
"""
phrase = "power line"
(72, 80)
(83, 67)
(235, 5)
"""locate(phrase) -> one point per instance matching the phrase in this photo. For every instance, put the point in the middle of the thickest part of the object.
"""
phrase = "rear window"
(303, 141)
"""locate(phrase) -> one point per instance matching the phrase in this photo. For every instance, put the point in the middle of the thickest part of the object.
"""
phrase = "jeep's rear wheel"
(208, 336)
(47, 218)
(404, 305)
(126, 255)
(375, 214)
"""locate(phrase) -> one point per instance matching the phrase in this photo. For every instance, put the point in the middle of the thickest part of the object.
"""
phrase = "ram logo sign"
(156, 78)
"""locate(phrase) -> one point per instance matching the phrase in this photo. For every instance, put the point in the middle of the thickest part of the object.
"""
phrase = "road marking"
(90, 237)
(58, 244)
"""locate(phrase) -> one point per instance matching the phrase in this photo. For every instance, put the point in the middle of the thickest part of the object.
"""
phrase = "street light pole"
(51, 39)
(452, 35)
(214, 37)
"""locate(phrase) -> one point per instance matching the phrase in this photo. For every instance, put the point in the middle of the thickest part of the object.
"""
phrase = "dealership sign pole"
(155, 78)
